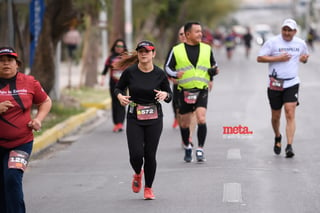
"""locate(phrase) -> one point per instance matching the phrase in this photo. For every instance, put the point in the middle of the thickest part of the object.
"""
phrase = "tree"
(59, 14)
(117, 30)
(160, 20)
(90, 52)
(156, 20)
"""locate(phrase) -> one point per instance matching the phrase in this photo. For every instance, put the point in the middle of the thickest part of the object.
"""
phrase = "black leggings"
(143, 139)
(118, 111)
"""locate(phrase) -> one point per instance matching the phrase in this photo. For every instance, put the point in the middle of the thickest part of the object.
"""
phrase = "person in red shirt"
(18, 93)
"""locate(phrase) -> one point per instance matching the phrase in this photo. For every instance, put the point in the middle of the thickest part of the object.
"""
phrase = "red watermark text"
(237, 132)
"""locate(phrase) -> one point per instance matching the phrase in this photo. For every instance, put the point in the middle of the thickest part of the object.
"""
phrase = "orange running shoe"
(120, 127)
(148, 194)
(175, 123)
(137, 182)
(115, 128)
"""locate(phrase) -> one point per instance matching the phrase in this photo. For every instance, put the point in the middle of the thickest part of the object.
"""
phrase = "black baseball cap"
(145, 44)
(9, 51)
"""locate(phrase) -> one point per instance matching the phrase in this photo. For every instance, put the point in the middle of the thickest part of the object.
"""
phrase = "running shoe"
(277, 145)
(188, 155)
(120, 127)
(200, 155)
(137, 182)
(289, 151)
(148, 194)
(175, 123)
(190, 142)
(115, 128)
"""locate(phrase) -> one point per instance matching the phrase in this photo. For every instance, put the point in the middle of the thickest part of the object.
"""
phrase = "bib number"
(18, 160)
(276, 84)
(147, 112)
(190, 97)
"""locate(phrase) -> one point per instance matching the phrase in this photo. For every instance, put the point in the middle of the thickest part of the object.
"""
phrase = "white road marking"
(232, 193)
(234, 154)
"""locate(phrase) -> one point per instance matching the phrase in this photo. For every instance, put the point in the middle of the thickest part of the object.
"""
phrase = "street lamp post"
(128, 23)
(103, 21)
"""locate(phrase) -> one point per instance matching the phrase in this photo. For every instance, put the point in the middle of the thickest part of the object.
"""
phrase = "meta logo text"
(237, 130)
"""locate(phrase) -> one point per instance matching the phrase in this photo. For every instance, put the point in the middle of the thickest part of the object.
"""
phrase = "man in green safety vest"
(193, 65)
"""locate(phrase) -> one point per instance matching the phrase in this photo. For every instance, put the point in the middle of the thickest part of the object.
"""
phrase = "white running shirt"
(289, 69)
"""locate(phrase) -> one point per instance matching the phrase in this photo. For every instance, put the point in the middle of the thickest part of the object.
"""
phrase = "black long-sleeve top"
(108, 63)
(141, 86)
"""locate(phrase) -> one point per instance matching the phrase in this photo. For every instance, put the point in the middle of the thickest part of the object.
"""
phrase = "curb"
(54, 134)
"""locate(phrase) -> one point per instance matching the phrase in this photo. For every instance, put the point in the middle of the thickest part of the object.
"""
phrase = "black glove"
(212, 71)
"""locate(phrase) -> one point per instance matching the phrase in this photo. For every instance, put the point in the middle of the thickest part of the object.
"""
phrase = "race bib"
(276, 84)
(147, 112)
(190, 97)
(18, 160)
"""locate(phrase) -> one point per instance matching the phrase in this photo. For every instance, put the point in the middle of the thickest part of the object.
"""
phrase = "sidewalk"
(63, 129)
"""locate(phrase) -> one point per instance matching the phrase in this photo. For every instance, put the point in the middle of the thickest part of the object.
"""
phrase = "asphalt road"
(241, 174)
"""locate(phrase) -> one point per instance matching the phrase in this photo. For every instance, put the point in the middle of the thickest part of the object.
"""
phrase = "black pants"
(11, 190)
(143, 139)
(71, 49)
(118, 111)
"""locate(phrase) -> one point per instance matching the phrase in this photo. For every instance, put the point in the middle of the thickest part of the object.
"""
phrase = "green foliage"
(159, 20)
(62, 110)
(88, 6)
(209, 12)
(59, 112)
(87, 95)
(92, 8)
(173, 12)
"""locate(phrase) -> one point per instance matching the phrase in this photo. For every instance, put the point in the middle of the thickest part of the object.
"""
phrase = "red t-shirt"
(23, 91)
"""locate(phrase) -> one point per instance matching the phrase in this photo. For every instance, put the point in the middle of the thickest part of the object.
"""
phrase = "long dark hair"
(127, 59)
(115, 43)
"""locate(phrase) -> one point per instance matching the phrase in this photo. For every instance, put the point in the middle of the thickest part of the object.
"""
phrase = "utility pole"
(128, 24)
(294, 6)
(103, 21)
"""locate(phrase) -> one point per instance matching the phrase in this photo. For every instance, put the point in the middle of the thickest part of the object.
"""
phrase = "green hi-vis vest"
(193, 77)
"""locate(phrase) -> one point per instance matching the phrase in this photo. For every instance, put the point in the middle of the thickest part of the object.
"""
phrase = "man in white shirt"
(283, 53)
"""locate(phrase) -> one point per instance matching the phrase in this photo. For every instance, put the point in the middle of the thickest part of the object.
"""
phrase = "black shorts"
(202, 101)
(278, 98)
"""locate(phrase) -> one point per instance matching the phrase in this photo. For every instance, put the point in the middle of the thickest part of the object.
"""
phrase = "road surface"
(241, 174)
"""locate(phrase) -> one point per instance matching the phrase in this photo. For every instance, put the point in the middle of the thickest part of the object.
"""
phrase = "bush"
(70, 105)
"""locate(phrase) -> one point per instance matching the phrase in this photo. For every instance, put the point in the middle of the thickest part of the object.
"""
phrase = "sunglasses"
(120, 46)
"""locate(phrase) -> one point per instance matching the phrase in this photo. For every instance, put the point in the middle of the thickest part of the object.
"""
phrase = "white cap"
(292, 24)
